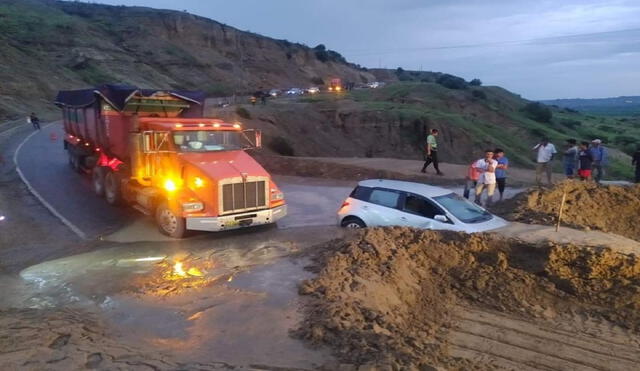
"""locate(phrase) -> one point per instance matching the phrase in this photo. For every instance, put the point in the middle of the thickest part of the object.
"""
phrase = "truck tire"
(113, 188)
(97, 180)
(169, 223)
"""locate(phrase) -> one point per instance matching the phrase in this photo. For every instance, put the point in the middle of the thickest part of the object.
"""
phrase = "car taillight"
(344, 204)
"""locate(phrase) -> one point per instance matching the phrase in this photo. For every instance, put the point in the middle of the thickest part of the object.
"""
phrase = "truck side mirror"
(253, 137)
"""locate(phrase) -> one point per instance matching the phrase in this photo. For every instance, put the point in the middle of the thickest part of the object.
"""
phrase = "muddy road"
(118, 295)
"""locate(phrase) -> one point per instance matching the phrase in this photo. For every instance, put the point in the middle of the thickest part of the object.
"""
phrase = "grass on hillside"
(410, 101)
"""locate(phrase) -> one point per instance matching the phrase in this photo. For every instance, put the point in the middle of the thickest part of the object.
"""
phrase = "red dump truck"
(335, 85)
(152, 149)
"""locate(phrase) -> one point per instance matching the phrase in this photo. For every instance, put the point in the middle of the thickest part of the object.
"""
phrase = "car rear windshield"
(463, 209)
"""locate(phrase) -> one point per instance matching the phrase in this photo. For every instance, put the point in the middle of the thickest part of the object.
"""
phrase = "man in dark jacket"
(35, 121)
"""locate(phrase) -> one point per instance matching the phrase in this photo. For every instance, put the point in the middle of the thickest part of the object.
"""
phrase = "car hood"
(494, 223)
(224, 164)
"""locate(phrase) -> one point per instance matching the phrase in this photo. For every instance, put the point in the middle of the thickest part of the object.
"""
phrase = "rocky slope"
(49, 45)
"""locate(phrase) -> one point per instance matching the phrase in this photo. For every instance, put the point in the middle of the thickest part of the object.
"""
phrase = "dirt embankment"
(608, 208)
(389, 297)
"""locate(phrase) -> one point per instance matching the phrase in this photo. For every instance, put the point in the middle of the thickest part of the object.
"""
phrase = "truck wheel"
(113, 188)
(97, 179)
(169, 222)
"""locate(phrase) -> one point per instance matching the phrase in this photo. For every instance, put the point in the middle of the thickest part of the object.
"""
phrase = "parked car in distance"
(275, 92)
(295, 91)
(313, 90)
(380, 202)
(375, 84)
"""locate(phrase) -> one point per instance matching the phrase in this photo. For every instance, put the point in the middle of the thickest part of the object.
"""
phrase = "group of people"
(487, 173)
(585, 161)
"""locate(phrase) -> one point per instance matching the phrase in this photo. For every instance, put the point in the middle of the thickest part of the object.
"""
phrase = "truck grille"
(237, 197)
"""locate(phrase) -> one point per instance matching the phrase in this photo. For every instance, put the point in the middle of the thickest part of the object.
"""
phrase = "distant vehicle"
(335, 85)
(313, 90)
(295, 91)
(275, 92)
(380, 202)
(154, 150)
(375, 84)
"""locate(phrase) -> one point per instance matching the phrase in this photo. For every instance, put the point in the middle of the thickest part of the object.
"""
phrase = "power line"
(564, 38)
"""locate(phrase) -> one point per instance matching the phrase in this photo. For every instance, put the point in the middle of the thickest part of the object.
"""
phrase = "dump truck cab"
(150, 149)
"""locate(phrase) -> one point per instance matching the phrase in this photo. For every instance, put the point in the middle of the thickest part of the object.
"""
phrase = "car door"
(419, 212)
(382, 208)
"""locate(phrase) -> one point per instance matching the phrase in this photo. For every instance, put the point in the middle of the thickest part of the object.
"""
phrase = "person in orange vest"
(471, 179)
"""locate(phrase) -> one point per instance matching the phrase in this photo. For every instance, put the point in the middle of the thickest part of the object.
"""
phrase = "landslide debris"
(387, 297)
(608, 208)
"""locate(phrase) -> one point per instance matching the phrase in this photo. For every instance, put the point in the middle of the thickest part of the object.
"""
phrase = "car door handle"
(365, 207)
(403, 218)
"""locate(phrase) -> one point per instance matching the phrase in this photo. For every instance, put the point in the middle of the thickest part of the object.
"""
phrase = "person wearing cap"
(570, 158)
(599, 154)
(545, 152)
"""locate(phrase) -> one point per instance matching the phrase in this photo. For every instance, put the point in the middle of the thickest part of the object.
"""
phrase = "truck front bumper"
(228, 222)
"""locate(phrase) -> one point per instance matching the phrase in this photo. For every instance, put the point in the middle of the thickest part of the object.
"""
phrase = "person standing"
(636, 161)
(570, 158)
(35, 121)
(471, 180)
(487, 168)
(432, 152)
(545, 152)
(585, 161)
(599, 154)
(501, 170)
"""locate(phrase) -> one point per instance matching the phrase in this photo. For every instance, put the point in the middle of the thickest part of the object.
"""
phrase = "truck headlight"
(192, 206)
(276, 196)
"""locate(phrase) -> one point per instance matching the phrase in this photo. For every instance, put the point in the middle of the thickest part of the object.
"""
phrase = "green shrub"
(538, 112)
(452, 82)
(479, 94)
(281, 146)
(243, 112)
(475, 82)
(570, 123)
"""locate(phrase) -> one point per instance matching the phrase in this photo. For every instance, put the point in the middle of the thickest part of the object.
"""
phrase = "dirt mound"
(387, 297)
(608, 208)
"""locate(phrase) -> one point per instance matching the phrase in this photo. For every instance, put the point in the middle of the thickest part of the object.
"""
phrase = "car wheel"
(353, 223)
(169, 222)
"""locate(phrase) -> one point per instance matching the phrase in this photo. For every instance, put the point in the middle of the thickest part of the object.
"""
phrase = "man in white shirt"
(487, 169)
(545, 151)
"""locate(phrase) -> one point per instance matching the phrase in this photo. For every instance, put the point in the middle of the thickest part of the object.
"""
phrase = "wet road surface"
(42, 159)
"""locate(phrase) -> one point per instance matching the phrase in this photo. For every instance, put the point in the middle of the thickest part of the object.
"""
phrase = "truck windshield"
(207, 140)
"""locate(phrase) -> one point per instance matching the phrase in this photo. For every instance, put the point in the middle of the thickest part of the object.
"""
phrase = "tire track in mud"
(512, 343)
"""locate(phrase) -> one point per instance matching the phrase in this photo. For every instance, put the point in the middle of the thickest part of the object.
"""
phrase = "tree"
(452, 82)
(475, 82)
(399, 71)
(538, 112)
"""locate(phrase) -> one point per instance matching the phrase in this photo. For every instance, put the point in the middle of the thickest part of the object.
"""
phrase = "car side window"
(421, 206)
(361, 193)
(384, 198)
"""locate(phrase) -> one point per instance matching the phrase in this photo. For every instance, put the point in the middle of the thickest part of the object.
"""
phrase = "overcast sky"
(539, 49)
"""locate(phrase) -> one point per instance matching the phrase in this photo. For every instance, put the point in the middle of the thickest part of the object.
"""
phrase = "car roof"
(417, 188)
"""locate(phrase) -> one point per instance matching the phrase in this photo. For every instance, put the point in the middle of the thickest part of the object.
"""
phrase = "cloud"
(530, 47)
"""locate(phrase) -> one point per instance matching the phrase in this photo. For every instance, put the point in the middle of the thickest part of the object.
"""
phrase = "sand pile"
(608, 208)
(386, 297)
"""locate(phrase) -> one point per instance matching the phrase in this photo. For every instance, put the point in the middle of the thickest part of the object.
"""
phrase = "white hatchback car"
(380, 202)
